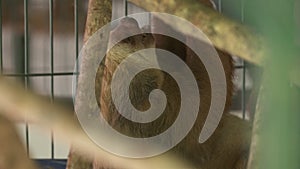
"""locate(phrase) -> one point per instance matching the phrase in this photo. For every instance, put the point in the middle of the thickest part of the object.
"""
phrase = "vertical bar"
(26, 62)
(243, 11)
(220, 6)
(126, 8)
(244, 91)
(52, 64)
(244, 69)
(119, 9)
(76, 33)
(1, 51)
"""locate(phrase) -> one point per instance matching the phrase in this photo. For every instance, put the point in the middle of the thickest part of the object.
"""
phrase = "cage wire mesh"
(39, 46)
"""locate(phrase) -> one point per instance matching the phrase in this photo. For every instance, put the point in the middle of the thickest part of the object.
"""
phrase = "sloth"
(228, 146)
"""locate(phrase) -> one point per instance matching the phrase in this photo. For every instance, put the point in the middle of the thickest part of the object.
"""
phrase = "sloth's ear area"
(129, 25)
(126, 28)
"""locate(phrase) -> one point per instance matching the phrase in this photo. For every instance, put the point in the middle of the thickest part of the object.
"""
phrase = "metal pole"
(52, 65)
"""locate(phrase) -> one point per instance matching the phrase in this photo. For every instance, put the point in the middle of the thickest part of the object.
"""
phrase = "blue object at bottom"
(51, 164)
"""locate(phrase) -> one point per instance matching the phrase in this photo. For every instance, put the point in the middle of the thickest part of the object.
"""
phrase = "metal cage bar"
(76, 35)
(1, 49)
(244, 91)
(126, 7)
(52, 66)
(26, 55)
(40, 74)
(244, 70)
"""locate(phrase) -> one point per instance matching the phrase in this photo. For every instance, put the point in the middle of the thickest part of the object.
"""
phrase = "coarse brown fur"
(227, 148)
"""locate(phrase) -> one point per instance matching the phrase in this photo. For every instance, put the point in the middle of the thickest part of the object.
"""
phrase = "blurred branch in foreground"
(16, 103)
(224, 33)
(12, 154)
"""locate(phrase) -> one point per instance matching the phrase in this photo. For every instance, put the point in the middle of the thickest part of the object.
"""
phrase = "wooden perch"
(223, 32)
(99, 14)
(16, 102)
